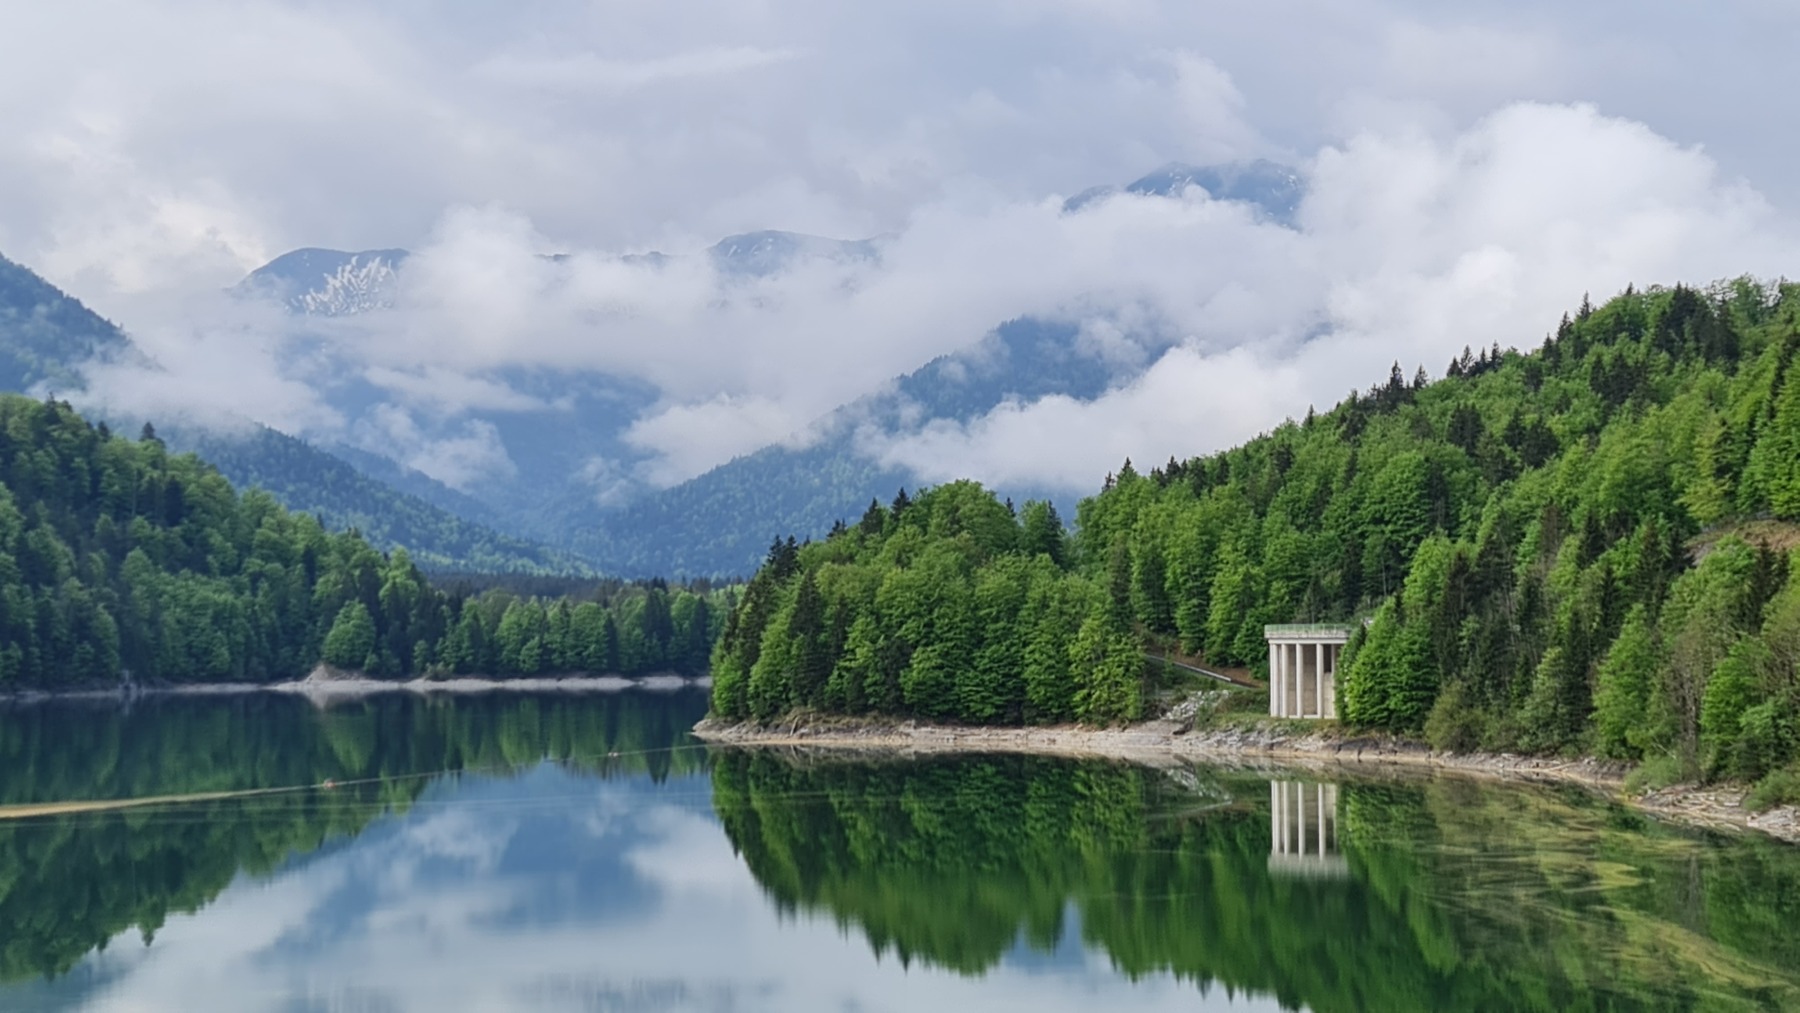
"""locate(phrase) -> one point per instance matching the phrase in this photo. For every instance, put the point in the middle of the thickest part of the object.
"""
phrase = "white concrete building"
(1303, 661)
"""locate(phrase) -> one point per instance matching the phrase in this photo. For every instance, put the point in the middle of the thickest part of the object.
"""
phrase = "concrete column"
(1302, 689)
(1287, 680)
(1319, 677)
(1274, 698)
(1292, 664)
(1281, 678)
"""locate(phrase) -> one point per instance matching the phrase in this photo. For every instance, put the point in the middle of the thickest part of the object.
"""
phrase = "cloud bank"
(1409, 246)
(1461, 191)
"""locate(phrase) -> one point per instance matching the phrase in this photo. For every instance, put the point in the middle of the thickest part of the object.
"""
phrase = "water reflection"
(1393, 895)
(70, 883)
(582, 854)
(1303, 829)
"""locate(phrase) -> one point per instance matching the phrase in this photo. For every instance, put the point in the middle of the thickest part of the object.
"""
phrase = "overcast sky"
(1482, 160)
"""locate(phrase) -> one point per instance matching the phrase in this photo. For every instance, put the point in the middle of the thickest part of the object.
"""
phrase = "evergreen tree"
(352, 637)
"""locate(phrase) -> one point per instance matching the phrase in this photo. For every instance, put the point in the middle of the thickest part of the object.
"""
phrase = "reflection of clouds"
(434, 911)
(460, 834)
(688, 854)
(609, 811)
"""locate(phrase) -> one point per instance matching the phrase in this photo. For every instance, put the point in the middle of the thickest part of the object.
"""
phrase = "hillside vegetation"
(120, 561)
(1522, 536)
(47, 336)
(306, 479)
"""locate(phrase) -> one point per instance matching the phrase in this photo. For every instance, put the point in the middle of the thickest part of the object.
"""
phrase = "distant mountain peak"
(323, 282)
(1275, 190)
(757, 254)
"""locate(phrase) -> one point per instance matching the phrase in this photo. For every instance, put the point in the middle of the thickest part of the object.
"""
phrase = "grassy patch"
(1656, 772)
(1782, 787)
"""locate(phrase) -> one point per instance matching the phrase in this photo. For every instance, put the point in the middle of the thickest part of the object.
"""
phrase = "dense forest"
(1584, 547)
(122, 561)
(367, 497)
(950, 605)
(966, 863)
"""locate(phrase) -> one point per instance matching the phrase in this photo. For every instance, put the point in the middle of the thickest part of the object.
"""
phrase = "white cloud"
(591, 72)
(228, 365)
(689, 439)
(166, 145)
(1411, 244)
(459, 458)
(1412, 248)
(1186, 400)
(447, 391)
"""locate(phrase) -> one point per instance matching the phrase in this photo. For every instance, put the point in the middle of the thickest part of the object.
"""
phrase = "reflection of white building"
(1303, 668)
(1304, 829)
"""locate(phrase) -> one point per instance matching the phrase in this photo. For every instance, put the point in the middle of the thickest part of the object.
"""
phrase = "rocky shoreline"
(1163, 743)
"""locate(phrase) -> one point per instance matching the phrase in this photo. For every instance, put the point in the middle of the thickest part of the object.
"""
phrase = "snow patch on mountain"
(331, 283)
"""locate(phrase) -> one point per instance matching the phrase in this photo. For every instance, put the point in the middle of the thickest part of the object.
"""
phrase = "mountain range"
(47, 335)
(551, 514)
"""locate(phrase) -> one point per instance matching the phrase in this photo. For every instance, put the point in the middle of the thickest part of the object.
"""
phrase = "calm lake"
(583, 853)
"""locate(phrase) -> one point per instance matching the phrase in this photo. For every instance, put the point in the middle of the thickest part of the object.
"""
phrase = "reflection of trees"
(1569, 907)
(70, 883)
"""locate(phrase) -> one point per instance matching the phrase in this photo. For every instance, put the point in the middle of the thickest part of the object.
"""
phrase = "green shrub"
(1780, 788)
(1455, 724)
(1656, 772)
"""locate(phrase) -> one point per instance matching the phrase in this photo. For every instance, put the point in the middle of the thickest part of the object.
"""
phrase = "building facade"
(1303, 661)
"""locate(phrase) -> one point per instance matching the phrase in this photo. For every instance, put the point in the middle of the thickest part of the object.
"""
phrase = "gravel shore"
(1164, 743)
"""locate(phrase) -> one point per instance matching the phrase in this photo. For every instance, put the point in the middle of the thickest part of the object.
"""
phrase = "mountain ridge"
(780, 489)
(46, 335)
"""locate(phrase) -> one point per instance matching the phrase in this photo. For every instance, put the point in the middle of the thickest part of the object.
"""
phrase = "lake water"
(582, 853)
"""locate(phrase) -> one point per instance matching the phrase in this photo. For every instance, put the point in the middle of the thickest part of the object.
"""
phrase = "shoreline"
(1161, 743)
(325, 685)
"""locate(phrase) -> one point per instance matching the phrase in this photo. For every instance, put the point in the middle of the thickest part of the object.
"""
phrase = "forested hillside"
(46, 336)
(306, 479)
(122, 561)
(1587, 547)
(947, 606)
(44, 333)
